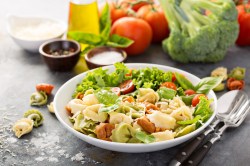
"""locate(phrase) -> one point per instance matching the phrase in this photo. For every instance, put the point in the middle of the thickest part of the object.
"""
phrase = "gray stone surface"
(51, 144)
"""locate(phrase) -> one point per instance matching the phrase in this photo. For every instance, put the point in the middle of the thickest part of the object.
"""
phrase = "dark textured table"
(51, 144)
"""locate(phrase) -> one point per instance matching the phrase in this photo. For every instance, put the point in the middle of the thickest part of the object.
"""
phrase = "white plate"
(63, 96)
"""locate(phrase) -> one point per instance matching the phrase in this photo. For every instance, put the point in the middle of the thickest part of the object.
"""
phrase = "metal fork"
(236, 118)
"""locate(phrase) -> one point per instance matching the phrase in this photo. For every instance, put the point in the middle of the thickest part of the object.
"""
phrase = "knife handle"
(197, 157)
(186, 151)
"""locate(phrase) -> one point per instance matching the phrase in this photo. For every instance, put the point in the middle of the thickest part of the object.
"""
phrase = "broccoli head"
(201, 30)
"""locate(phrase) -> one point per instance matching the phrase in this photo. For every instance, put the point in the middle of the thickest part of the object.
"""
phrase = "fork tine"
(236, 106)
(241, 110)
(242, 118)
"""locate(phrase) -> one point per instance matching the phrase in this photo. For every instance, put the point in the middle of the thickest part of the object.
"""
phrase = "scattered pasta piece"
(163, 136)
(47, 88)
(220, 87)
(238, 73)
(34, 115)
(38, 98)
(51, 108)
(233, 84)
(147, 95)
(23, 126)
(220, 72)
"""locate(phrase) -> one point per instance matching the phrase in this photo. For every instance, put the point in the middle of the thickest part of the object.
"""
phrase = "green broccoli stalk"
(195, 36)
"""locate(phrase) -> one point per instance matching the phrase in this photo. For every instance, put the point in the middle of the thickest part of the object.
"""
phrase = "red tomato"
(130, 73)
(135, 29)
(173, 77)
(196, 99)
(244, 23)
(127, 87)
(189, 92)
(155, 17)
(47, 88)
(134, 4)
(116, 90)
(170, 85)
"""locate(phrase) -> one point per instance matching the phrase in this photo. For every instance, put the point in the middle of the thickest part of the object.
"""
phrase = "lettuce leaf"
(166, 93)
(106, 97)
(145, 138)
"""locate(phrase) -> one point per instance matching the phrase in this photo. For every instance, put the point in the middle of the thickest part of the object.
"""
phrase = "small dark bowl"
(98, 50)
(61, 62)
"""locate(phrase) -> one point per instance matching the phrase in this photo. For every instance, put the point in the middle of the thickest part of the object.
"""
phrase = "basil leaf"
(105, 23)
(142, 136)
(187, 99)
(207, 84)
(86, 38)
(106, 97)
(166, 93)
(119, 41)
(183, 81)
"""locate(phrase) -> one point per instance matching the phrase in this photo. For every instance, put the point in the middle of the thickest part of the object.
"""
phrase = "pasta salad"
(139, 105)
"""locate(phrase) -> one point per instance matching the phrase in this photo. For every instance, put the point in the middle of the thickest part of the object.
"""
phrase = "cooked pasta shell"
(22, 126)
(34, 115)
(123, 133)
(38, 98)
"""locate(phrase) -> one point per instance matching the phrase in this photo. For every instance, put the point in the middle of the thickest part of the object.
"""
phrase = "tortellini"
(220, 72)
(116, 118)
(83, 125)
(164, 135)
(147, 95)
(38, 98)
(92, 112)
(23, 126)
(162, 120)
(90, 99)
(123, 133)
(76, 105)
(34, 115)
(168, 106)
(182, 113)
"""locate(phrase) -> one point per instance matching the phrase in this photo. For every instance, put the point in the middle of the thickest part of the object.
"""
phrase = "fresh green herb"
(145, 138)
(207, 84)
(104, 39)
(166, 93)
(183, 81)
(150, 77)
(187, 99)
(106, 97)
(180, 91)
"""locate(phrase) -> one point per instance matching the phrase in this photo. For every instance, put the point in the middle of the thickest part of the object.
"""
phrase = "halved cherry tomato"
(127, 86)
(189, 92)
(173, 78)
(47, 88)
(170, 85)
(196, 99)
(129, 73)
(116, 90)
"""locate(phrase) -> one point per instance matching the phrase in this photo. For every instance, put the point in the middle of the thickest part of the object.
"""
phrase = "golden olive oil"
(83, 16)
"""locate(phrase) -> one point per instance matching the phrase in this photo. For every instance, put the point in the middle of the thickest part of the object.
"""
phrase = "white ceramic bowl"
(63, 96)
(32, 44)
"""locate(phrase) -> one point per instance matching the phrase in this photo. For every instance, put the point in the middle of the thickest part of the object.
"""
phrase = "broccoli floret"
(196, 36)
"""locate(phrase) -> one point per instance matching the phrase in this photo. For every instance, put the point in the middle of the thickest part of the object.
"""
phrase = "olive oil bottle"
(83, 16)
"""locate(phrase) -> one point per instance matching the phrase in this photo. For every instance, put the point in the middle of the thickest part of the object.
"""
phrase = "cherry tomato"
(129, 73)
(127, 86)
(156, 19)
(134, 4)
(196, 99)
(47, 88)
(116, 90)
(170, 85)
(173, 77)
(135, 29)
(189, 92)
